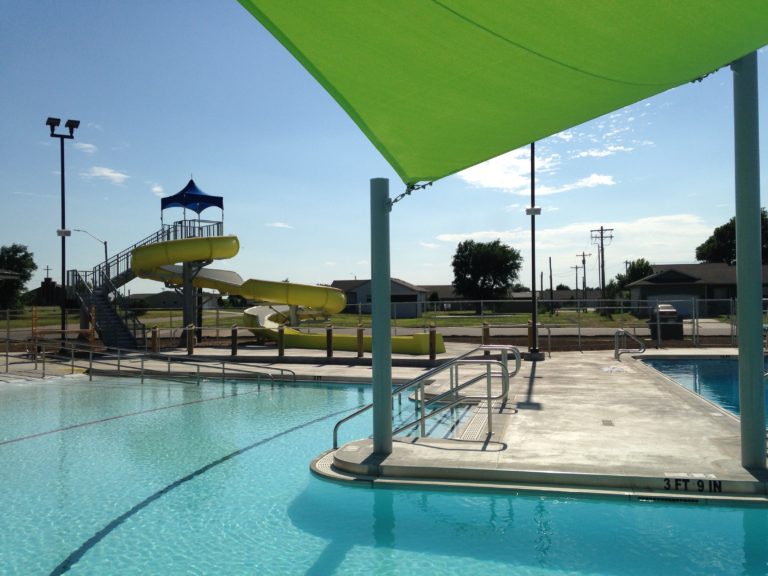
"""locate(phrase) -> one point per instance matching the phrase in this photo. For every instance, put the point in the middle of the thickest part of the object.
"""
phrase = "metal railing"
(620, 342)
(451, 398)
(124, 362)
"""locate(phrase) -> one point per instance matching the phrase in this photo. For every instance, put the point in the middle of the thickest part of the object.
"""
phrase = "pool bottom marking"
(75, 556)
(120, 416)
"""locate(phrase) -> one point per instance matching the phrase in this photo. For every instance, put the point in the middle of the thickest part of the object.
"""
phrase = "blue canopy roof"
(193, 198)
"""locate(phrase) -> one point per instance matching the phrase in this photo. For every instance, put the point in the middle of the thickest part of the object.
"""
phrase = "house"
(682, 284)
(408, 300)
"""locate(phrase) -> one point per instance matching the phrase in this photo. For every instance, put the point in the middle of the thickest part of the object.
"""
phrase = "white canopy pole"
(749, 281)
(380, 317)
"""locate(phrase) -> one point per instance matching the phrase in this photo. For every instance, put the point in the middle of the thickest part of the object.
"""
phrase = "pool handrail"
(623, 334)
(419, 381)
(38, 349)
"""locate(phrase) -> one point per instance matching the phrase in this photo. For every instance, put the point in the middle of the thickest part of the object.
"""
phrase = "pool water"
(716, 379)
(119, 477)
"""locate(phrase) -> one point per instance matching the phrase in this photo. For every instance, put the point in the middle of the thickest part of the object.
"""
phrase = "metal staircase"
(116, 324)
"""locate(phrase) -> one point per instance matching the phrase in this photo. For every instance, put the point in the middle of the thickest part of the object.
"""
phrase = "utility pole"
(584, 273)
(576, 285)
(551, 293)
(602, 235)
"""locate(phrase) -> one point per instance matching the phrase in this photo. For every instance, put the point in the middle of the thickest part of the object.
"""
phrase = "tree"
(15, 258)
(721, 245)
(636, 270)
(562, 287)
(485, 270)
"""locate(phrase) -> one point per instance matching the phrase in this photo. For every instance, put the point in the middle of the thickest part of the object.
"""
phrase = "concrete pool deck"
(577, 422)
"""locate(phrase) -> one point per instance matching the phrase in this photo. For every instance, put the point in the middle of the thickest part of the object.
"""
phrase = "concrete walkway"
(576, 422)
(580, 422)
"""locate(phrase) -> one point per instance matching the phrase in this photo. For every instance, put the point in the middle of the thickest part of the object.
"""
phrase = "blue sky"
(165, 90)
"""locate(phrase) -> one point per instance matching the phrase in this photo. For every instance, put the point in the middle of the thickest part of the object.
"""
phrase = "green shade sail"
(441, 85)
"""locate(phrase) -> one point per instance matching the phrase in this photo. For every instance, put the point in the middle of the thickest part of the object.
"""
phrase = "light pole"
(106, 258)
(533, 211)
(71, 125)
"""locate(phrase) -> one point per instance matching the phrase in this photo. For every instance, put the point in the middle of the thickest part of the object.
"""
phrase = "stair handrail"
(506, 375)
(125, 354)
(622, 334)
(121, 262)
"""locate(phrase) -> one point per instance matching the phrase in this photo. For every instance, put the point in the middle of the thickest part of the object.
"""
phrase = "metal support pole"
(63, 250)
(190, 339)
(488, 398)
(360, 341)
(748, 259)
(234, 340)
(281, 340)
(380, 317)
(432, 343)
(329, 341)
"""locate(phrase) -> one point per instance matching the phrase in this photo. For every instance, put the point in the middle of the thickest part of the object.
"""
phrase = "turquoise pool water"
(716, 379)
(116, 477)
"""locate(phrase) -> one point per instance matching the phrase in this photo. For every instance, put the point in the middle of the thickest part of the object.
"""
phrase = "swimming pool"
(716, 379)
(116, 477)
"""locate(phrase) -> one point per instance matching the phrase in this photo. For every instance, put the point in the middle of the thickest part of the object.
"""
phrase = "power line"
(602, 235)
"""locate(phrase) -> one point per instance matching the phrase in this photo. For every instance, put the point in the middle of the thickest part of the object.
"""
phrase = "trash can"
(665, 322)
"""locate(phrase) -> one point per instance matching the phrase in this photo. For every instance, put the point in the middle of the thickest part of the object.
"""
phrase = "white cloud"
(591, 181)
(330, 263)
(279, 225)
(601, 152)
(430, 245)
(670, 238)
(87, 148)
(156, 189)
(510, 172)
(103, 173)
(508, 236)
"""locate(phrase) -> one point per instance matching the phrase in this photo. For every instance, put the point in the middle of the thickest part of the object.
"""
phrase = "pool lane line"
(120, 416)
(76, 555)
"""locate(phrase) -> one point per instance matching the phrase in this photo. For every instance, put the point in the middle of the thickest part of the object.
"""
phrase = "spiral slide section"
(160, 261)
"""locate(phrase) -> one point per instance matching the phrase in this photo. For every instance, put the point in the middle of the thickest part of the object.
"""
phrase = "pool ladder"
(620, 343)
(451, 397)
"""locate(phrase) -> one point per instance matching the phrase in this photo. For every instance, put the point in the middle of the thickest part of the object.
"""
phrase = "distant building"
(47, 294)
(409, 299)
(680, 284)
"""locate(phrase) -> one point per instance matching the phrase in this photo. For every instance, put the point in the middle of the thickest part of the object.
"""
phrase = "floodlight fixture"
(72, 125)
(53, 123)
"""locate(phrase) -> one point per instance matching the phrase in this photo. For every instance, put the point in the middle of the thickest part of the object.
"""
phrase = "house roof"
(705, 273)
(346, 285)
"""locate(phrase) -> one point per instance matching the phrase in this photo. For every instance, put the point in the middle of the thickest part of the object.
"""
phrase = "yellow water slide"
(160, 261)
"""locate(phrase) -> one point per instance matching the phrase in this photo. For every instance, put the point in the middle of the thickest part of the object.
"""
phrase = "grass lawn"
(225, 318)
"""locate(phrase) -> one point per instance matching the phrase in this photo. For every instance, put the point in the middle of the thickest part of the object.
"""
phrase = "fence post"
(360, 346)
(432, 342)
(155, 340)
(281, 340)
(233, 339)
(190, 340)
(486, 337)
(329, 341)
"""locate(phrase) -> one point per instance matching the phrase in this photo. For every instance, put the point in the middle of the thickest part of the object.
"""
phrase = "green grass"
(170, 319)
(469, 319)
